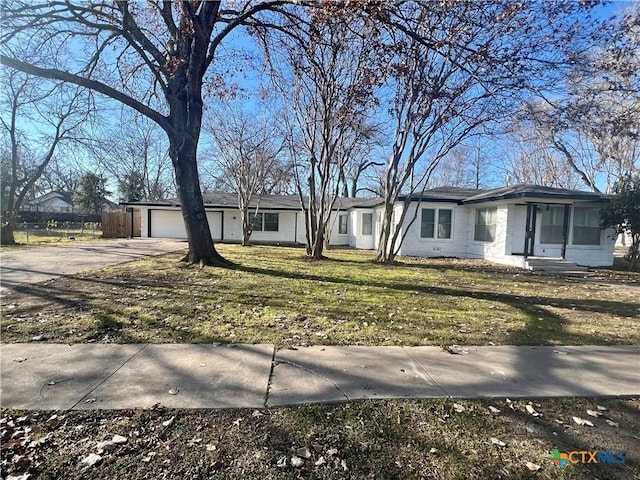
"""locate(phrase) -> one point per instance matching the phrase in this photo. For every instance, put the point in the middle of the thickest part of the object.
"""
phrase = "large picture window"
(586, 226)
(485, 229)
(367, 224)
(264, 222)
(552, 225)
(431, 218)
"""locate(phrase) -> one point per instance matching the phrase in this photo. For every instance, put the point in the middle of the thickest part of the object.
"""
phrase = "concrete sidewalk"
(107, 376)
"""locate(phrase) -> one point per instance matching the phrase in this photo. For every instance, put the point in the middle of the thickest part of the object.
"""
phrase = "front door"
(530, 229)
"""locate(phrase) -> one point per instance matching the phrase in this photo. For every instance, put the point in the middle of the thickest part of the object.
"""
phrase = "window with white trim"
(485, 228)
(552, 225)
(343, 224)
(367, 224)
(432, 217)
(587, 227)
(264, 222)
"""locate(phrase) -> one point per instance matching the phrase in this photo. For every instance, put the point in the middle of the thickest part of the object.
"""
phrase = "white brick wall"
(436, 247)
(508, 235)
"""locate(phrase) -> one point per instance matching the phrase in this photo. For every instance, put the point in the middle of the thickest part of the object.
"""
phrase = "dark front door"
(530, 229)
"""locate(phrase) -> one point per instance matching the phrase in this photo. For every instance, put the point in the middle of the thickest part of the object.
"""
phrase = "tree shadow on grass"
(528, 305)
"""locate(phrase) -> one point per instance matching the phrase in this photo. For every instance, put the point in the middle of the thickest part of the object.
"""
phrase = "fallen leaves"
(303, 452)
(327, 441)
(533, 466)
(91, 459)
(497, 442)
(455, 349)
(458, 408)
(582, 421)
(168, 423)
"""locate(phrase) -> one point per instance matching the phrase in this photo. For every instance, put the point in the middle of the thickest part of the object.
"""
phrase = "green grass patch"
(276, 295)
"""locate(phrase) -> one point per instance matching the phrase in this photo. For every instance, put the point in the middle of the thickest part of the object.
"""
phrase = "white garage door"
(169, 224)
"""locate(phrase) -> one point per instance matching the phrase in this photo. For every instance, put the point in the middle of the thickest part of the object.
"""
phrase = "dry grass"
(394, 439)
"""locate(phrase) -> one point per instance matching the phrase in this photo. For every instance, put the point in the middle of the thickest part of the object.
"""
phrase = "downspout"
(221, 225)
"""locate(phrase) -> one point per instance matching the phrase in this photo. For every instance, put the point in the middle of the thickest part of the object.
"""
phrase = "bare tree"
(160, 52)
(458, 66)
(135, 154)
(364, 155)
(247, 157)
(35, 104)
(465, 166)
(593, 125)
(323, 67)
(528, 158)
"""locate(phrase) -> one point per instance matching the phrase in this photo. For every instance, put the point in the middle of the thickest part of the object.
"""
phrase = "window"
(343, 224)
(432, 217)
(586, 226)
(485, 230)
(267, 222)
(427, 225)
(256, 222)
(552, 225)
(367, 224)
(271, 222)
(444, 223)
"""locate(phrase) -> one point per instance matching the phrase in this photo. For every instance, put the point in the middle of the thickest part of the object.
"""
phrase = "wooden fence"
(118, 224)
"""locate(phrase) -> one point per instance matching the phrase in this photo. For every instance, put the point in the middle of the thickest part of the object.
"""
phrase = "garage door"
(169, 224)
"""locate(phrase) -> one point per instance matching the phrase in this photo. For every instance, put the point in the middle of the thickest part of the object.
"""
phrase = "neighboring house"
(62, 202)
(505, 225)
(52, 202)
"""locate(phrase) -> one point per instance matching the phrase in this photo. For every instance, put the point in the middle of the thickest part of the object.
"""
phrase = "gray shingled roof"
(533, 191)
(472, 195)
(266, 202)
(439, 194)
(444, 194)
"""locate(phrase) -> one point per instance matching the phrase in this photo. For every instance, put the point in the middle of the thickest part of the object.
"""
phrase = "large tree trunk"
(201, 247)
(318, 243)
(6, 235)
(386, 251)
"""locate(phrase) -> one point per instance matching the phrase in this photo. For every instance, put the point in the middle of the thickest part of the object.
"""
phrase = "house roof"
(66, 197)
(440, 194)
(267, 202)
(520, 191)
(533, 191)
(444, 194)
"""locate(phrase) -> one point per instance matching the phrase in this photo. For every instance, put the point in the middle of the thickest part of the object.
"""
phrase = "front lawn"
(278, 296)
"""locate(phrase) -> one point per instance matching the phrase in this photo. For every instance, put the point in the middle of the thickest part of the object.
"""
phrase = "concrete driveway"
(33, 265)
